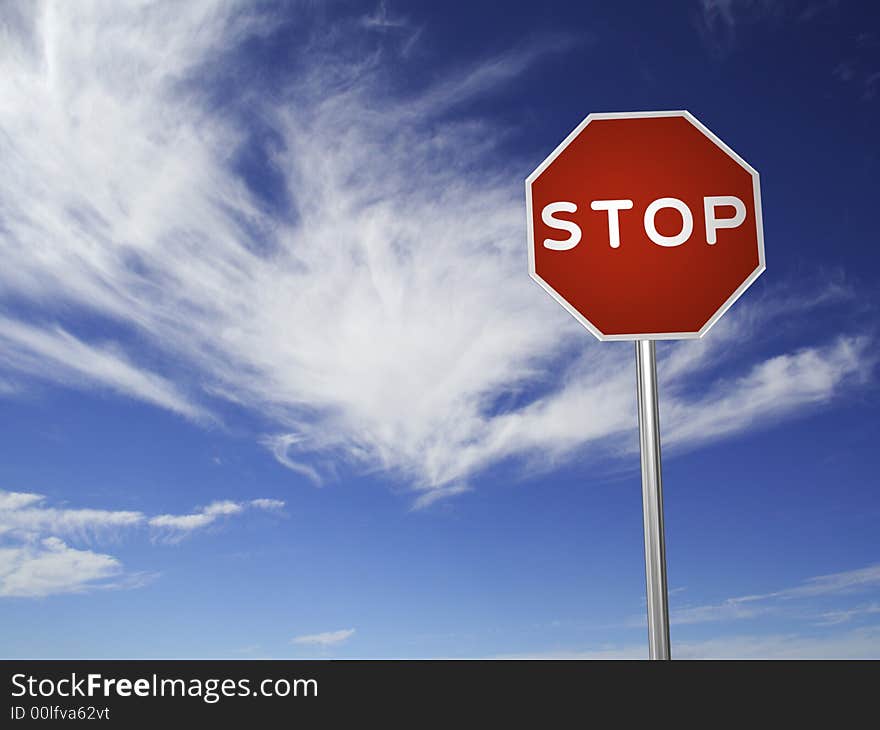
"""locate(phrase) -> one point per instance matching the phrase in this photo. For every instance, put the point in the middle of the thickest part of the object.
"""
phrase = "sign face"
(644, 225)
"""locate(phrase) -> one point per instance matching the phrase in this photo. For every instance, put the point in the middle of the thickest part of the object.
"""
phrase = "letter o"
(687, 222)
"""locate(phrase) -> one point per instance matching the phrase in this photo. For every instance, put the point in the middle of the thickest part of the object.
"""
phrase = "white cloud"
(769, 391)
(834, 583)
(327, 638)
(280, 446)
(428, 498)
(718, 20)
(749, 606)
(268, 504)
(805, 604)
(17, 500)
(862, 643)
(380, 19)
(376, 311)
(51, 567)
(196, 520)
(729, 610)
(843, 616)
(26, 515)
(605, 651)
(56, 354)
(176, 527)
(35, 561)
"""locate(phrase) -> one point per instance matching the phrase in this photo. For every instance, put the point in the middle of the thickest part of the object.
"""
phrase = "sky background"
(275, 382)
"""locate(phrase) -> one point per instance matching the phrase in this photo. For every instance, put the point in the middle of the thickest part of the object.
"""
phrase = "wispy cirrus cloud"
(860, 643)
(835, 585)
(827, 616)
(364, 290)
(847, 615)
(267, 504)
(25, 515)
(769, 391)
(196, 520)
(35, 561)
(718, 21)
(176, 527)
(54, 354)
(831, 584)
(324, 639)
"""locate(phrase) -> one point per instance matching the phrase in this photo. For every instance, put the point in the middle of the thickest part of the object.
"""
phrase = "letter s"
(19, 685)
(574, 230)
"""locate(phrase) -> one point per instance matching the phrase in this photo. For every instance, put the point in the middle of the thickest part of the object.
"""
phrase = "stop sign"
(644, 225)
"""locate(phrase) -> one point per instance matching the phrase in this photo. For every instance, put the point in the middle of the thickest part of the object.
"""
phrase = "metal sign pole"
(652, 500)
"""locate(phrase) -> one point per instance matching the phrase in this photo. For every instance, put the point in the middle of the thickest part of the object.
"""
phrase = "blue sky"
(275, 382)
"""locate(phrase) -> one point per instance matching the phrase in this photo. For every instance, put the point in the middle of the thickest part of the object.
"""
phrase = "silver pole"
(652, 500)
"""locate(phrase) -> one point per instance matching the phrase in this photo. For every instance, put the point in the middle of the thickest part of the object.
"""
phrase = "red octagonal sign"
(644, 225)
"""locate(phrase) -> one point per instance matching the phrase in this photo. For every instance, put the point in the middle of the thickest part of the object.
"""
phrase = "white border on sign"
(759, 227)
